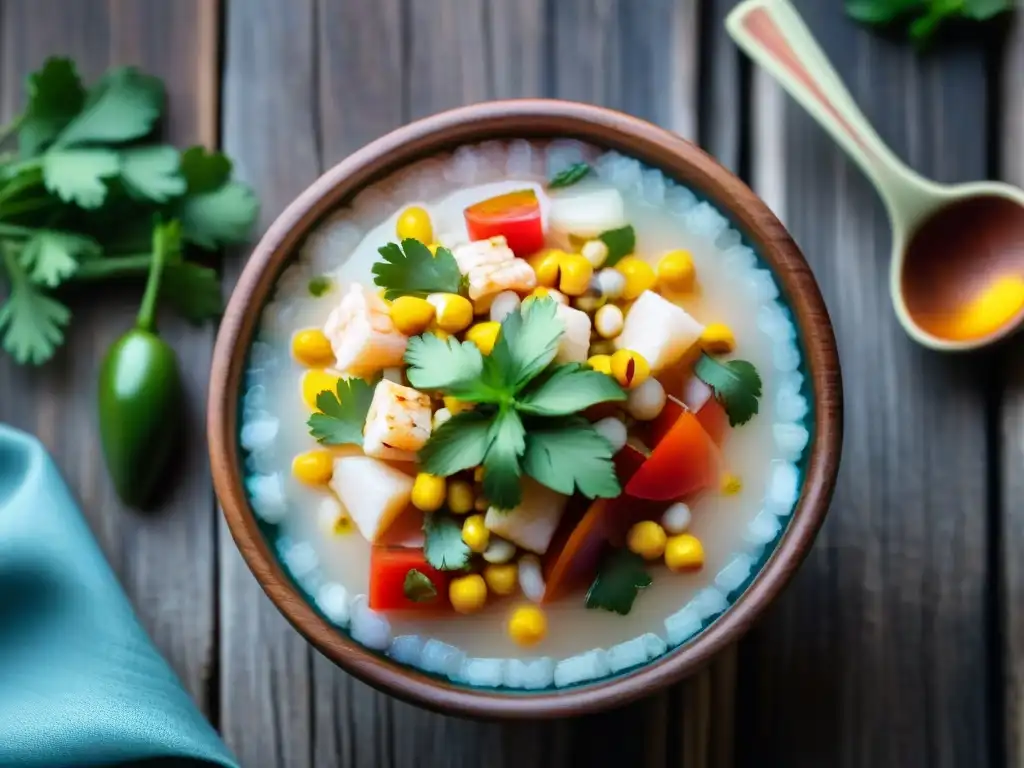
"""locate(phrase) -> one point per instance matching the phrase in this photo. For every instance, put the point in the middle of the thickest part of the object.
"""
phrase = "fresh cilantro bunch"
(80, 193)
(926, 15)
(525, 419)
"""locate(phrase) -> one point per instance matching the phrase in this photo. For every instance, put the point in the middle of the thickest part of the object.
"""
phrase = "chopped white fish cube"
(631, 653)
(368, 627)
(763, 528)
(530, 674)
(654, 645)
(441, 659)
(783, 487)
(588, 213)
(259, 434)
(362, 335)
(266, 493)
(374, 493)
(407, 649)
(532, 524)
(531, 578)
(709, 602)
(735, 573)
(682, 625)
(332, 600)
(574, 345)
(659, 330)
(790, 439)
(483, 673)
(397, 423)
(579, 669)
(491, 267)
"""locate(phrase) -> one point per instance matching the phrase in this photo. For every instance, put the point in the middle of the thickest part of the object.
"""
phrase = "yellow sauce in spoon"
(999, 303)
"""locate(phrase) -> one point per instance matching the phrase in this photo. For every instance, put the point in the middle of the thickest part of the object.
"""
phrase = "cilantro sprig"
(342, 413)
(573, 174)
(443, 545)
(411, 270)
(926, 16)
(79, 196)
(736, 384)
(620, 578)
(523, 421)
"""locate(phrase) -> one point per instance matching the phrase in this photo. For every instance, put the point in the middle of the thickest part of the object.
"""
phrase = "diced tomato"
(712, 417)
(388, 568)
(684, 461)
(515, 215)
(715, 420)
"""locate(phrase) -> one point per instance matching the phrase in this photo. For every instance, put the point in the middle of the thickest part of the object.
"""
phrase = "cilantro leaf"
(881, 11)
(342, 413)
(124, 105)
(31, 323)
(411, 270)
(151, 173)
(458, 444)
(985, 9)
(506, 443)
(78, 175)
(448, 364)
(443, 545)
(528, 342)
(53, 256)
(569, 176)
(569, 389)
(621, 243)
(569, 454)
(219, 217)
(620, 578)
(736, 384)
(55, 96)
(418, 587)
(204, 171)
(194, 291)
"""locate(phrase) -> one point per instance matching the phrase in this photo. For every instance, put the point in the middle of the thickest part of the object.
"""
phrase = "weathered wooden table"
(901, 642)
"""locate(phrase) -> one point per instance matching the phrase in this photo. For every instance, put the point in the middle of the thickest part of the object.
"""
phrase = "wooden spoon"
(957, 268)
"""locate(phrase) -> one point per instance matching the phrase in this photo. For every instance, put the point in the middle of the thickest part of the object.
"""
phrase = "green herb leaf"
(881, 11)
(53, 256)
(343, 413)
(569, 389)
(79, 175)
(151, 173)
(124, 105)
(219, 217)
(31, 323)
(569, 454)
(621, 243)
(528, 342)
(193, 290)
(736, 384)
(418, 587)
(985, 9)
(55, 96)
(319, 286)
(443, 545)
(447, 364)
(458, 444)
(506, 443)
(619, 580)
(569, 176)
(204, 171)
(411, 270)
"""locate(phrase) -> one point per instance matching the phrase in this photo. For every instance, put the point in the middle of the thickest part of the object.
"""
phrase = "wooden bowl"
(678, 159)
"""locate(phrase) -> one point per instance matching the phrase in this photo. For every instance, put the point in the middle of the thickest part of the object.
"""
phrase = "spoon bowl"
(957, 264)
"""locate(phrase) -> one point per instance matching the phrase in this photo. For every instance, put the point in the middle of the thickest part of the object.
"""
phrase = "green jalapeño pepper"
(140, 393)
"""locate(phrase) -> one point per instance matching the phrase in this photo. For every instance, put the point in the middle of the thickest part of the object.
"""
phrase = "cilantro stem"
(19, 184)
(114, 266)
(146, 320)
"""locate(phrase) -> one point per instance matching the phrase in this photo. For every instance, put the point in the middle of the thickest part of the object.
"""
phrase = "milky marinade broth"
(733, 529)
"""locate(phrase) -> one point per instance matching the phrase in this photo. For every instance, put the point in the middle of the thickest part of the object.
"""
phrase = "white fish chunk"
(398, 422)
(491, 268)
(659, 330)
(362, 335)
(575, 342)
(374, 493)
(532, 524)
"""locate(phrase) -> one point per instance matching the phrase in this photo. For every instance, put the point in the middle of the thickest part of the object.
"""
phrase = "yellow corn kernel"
(454, 313)
(460, 497)
(528, 625)
(574, 274)
(484, 335)
(675, 271)
(717, 339)
(647, 539)
(343, 525)
(475, 533)
(468, 593)
(639, 276)
(731, 484)
(441, 334)
(502, 579)
(454, 405)
(549, 268)
(310, 347)
(411, 315)
(684, 553)
(429, 492)
(601, 363)
(313, 467)
(414, 222)
(630, 368)
(316, 381)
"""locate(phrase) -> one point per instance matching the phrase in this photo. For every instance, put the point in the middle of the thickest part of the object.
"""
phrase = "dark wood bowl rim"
(526, 118)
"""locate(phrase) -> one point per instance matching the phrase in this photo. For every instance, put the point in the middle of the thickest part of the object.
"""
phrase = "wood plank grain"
(1011, 437)
(166, 559)
(878, 654)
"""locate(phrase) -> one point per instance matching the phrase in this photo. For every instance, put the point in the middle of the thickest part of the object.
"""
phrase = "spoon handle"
(772, 33)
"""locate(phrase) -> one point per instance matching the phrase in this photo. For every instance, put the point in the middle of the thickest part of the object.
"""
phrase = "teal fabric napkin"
(80, 682)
